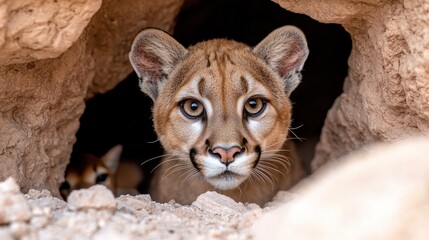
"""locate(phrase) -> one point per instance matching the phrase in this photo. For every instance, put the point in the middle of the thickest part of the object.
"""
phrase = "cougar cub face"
(88, 170)
(220, 107)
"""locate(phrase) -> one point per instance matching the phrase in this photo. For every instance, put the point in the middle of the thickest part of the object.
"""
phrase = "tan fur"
(83, 171)
(222, 75)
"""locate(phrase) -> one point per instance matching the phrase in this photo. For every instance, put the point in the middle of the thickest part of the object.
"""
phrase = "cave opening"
(123, 115)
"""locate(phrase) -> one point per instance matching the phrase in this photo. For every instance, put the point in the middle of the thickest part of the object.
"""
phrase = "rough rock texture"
(374, 194)
(96, 197)
(112, 31)
(378, 193)
(54, 54)
(386, 95)
(13, 206)
(37, 29)
(40, 106)
(127, 217)
(41, 101)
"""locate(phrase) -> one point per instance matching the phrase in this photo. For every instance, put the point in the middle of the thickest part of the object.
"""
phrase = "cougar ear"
(153, 55)
(285, 51)
(112, 158)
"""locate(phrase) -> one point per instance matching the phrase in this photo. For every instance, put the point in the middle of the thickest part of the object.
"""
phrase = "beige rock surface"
(112, 31)
(98, 197)
(133, 217)
(378, 193)
(41, 101)
(37, 29)
(40, 106)
(13, 208)
(386, 95)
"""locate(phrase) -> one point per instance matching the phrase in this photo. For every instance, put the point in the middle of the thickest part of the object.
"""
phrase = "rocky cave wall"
(386, 95)
(56, 54)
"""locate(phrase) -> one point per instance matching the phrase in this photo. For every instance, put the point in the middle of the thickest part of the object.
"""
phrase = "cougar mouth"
(226, 180)
(227, 175)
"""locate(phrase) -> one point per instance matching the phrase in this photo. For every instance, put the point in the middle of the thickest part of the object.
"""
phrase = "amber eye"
(255, 106)
(192, 108)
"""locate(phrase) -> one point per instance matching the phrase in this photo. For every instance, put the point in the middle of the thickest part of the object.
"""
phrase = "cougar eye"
(101, 178)
(192, 108)
(255, 106)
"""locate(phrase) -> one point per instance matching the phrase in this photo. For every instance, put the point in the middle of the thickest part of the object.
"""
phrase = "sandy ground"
(95, 214)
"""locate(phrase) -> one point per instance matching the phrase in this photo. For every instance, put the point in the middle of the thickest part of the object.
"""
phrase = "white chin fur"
(226, 183)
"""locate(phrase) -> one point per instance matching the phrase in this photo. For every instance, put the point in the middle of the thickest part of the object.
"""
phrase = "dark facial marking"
(258, 151)
(192, 154)
(244, 142)
(227, 57)
(244, 85)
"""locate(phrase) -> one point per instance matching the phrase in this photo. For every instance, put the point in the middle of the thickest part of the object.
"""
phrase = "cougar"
(119, 175)
(222, 113)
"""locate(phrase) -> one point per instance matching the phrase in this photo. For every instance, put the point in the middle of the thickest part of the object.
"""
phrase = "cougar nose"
(226, 155)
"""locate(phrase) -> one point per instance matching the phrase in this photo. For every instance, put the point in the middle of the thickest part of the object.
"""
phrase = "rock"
(19, 229)
(128, 204)
(386, 94)
(96, 197)
(5, 234)
(42, 202)
(9, 187)
(37, 29)
(49, 64)
(35, 194)
(40, 106)
(13, 207)
(214, 202)
(112, 31)
(378, 193)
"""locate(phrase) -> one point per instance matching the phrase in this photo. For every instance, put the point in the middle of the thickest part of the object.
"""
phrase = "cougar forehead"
(222, 59)
(220, 69)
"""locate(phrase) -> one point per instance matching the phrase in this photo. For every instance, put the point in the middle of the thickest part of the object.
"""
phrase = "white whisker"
(269, 177)
(160, 156)
(272, 168)
(188, 173)
(296, 136)
(173, 170)
(295, 128)
(164, 162)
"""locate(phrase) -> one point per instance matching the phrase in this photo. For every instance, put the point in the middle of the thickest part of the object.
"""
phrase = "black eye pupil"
(252, 104)
(101, 178)
(194, 106)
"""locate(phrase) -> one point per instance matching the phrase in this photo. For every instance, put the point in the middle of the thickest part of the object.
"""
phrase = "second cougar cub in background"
(222, 113)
